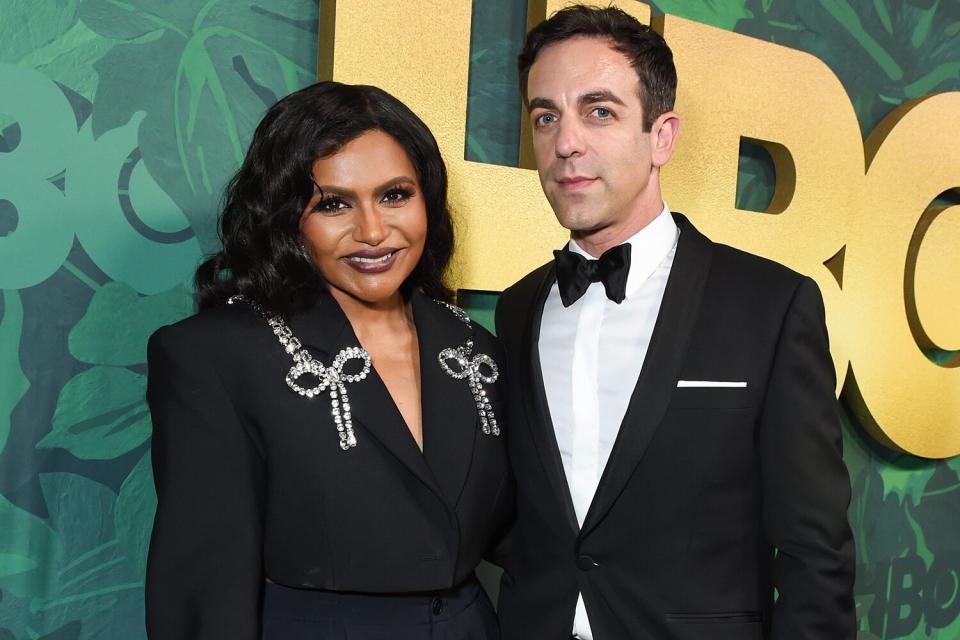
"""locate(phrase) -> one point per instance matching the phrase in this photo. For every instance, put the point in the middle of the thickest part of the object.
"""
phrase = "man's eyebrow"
(601, 95)
(542, 103)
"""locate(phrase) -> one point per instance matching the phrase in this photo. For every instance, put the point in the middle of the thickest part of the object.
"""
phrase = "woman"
(326, 439)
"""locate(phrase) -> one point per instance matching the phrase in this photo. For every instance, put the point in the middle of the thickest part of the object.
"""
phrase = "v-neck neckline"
(418, 373)
(448, 411)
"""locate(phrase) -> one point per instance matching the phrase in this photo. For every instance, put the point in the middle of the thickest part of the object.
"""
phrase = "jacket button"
(585, 563)
(437, 606)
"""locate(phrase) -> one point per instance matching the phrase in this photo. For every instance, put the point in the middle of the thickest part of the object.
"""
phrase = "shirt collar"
(649, 247)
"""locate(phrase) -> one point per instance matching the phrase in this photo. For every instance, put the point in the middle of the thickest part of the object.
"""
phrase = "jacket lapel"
(535, 399)
(447, 406)
(325, 330)
(661, 367)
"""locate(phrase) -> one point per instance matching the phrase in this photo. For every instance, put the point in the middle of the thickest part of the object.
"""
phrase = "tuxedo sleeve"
(806, 490)
(204, 575)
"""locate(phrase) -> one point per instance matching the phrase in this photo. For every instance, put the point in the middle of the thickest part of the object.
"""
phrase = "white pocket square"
(710, 383)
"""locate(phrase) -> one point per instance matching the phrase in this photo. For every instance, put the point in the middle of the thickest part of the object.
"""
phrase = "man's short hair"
(646, 49)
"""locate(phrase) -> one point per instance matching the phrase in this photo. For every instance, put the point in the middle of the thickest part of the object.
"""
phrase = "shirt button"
(437, 606)
(586, 563)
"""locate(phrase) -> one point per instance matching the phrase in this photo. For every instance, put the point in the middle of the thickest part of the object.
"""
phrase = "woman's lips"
(376, 261)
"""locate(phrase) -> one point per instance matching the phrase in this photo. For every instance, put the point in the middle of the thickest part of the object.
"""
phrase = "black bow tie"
(575, 273)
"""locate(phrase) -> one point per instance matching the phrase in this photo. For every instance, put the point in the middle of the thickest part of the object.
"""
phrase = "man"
(672, 425)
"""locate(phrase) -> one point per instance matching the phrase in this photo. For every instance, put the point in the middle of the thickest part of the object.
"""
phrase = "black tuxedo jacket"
(712, 496)
(252, 483)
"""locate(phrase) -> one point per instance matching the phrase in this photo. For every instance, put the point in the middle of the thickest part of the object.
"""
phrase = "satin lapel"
(324, 330)
(535, 400)
(661, 367)
(447, 406)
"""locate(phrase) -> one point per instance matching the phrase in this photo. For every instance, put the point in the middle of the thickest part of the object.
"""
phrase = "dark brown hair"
(262, 256)
(646, 49)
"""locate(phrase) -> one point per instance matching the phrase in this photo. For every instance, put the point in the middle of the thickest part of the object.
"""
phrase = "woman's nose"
(370, 228)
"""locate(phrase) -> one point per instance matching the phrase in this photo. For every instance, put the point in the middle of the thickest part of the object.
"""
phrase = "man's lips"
(575, 183)
(372, 260)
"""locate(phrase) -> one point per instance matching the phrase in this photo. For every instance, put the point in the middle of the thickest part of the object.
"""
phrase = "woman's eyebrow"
(344, 191)
(395, 181)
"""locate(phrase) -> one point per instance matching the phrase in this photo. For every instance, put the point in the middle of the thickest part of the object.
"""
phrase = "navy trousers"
(461, 613)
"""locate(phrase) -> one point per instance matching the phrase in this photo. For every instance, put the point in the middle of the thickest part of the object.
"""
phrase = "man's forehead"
(584, 50)
(582, 70)
(582, 61)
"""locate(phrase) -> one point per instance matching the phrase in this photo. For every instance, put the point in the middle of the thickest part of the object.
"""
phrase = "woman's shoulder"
(217, 329)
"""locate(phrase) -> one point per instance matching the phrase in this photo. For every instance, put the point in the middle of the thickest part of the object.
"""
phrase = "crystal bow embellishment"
(478, 369)
(332, 378)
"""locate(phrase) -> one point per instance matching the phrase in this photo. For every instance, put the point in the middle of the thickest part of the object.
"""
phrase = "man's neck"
(597, 241)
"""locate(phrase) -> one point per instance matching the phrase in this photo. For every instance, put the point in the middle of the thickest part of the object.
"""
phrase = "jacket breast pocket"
(711, 398)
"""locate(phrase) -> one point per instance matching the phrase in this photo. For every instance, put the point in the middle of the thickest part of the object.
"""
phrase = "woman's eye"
(330, 205)
(545, 119)
(397, 196)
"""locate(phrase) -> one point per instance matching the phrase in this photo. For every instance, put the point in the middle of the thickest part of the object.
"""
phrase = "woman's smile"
(372, 260)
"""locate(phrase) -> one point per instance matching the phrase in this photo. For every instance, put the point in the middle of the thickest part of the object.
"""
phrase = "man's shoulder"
(516, 300)
(746, 279)
(526, 288)
(757, 269)
(730, 263)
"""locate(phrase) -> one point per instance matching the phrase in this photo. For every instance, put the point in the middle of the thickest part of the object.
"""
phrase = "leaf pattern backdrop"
(120, 122)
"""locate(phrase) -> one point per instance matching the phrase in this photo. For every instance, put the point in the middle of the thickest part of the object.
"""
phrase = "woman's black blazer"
(252, 483)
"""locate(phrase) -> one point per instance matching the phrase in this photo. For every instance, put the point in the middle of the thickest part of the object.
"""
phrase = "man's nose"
(570, 141)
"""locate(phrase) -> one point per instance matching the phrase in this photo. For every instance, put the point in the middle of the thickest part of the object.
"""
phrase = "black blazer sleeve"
(204, 573)
(806, 490)
(499, 549)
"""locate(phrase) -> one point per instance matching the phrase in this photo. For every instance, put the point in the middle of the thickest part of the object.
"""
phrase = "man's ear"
(663, 136)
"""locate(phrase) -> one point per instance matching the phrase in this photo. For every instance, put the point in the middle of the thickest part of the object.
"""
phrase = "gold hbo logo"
(856, 215)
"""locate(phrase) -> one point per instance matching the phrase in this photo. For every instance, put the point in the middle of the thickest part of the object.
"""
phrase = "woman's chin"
(379, 294)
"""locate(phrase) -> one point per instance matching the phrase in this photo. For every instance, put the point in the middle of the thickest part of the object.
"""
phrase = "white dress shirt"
(591, 354)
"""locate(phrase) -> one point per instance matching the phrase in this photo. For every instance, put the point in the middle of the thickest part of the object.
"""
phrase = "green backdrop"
(120, 122)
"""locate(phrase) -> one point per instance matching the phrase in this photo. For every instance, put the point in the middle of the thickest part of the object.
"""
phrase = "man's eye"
(603, 113)
(545, 119)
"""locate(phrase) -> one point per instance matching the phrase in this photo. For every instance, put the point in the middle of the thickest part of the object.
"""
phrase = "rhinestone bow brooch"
(477, 369)
(332, 379)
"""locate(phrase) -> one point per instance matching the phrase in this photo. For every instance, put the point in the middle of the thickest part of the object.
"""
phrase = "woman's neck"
(370, 318)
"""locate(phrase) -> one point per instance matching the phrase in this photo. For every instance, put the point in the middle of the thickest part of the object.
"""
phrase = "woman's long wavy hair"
(263, 256)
